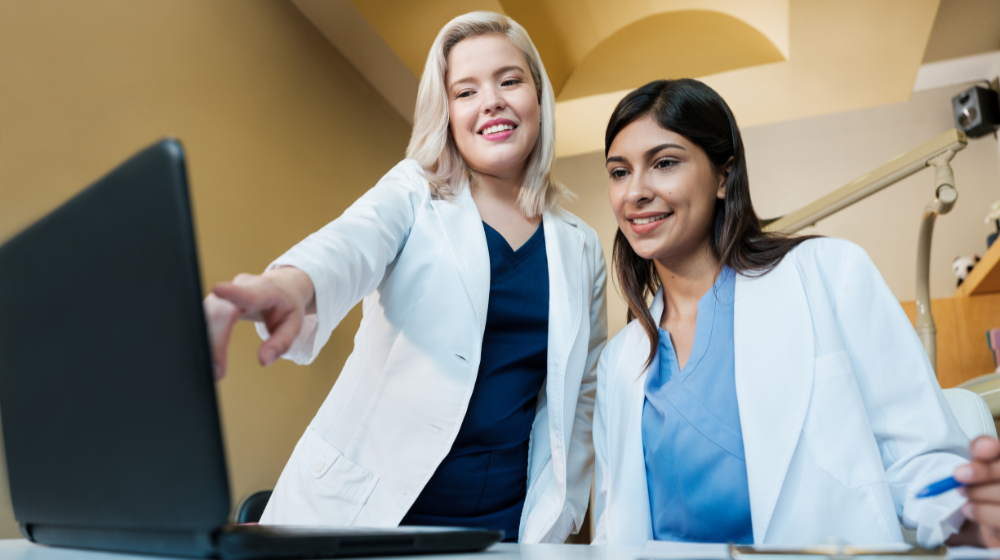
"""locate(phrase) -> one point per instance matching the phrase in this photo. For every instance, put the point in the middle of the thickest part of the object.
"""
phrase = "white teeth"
(641, 221)
(498, 128)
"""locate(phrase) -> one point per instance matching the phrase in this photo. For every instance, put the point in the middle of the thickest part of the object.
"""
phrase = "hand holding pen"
(980, 483)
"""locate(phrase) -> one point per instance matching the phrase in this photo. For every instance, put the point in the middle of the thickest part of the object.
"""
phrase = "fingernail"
(967, 511)
(269, 357)
(963, 473)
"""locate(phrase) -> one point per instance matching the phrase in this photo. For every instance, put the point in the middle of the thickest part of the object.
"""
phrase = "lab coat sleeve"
(919, 439)
(347, 258)
(601, 449)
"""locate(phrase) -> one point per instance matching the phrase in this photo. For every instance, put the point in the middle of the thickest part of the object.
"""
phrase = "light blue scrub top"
(691, 436)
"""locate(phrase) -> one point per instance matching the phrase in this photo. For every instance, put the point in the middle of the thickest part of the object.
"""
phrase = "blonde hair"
(432, 144)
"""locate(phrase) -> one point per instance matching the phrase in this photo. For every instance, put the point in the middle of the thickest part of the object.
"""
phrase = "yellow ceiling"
(668, 45)
(591, 47)
(773, 60)
(568, 32)
(845, 55)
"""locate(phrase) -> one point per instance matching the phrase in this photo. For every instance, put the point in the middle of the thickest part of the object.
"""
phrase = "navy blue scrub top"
(691, 435)
(483, 480)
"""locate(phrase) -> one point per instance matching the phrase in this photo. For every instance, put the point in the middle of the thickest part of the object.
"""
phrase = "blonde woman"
(469, 396)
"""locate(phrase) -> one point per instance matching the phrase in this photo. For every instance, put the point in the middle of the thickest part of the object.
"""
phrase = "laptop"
(110, 420)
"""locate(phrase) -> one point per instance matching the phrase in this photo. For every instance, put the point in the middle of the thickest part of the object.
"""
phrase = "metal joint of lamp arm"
(944, 201)
(938, 152)
(870, 183)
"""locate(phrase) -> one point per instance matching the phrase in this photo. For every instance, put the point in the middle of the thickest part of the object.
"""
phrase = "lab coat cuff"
(949, 509)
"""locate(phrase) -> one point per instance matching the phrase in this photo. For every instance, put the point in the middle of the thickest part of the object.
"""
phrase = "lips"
(497, 129)
(643, 221)
(647, 221)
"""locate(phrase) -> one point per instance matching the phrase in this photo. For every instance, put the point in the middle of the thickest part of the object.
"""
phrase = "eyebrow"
(497, 73)
(650, 152)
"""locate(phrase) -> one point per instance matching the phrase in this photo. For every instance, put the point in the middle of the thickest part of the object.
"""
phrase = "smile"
(642, 221)
(497, 129)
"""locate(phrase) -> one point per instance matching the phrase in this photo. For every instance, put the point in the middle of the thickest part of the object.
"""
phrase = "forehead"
(482, 56)
(643, 134)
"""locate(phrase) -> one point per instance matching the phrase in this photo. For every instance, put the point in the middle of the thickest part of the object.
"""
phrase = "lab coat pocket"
(837, 428)
(340, 486)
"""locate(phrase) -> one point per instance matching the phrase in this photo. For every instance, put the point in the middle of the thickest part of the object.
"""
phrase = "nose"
(493, 101)
(639, 193)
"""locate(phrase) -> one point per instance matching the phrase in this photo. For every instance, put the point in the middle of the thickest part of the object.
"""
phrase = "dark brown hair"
(696, 112)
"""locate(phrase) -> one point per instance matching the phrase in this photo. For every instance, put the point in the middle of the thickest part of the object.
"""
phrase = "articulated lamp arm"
(938, 153)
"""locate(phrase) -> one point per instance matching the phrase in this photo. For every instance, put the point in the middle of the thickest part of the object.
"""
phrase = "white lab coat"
(843, 419)
(423, 268)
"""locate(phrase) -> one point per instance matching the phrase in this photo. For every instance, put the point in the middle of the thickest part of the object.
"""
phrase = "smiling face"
(663, 190)
(493, 105)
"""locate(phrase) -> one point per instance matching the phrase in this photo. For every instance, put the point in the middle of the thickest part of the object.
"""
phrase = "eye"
(665, 163)
(618, 173)
(510, 82)
(464, 93)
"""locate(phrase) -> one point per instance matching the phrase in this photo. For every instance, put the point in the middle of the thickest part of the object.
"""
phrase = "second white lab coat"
(423, 268)
(843, 419)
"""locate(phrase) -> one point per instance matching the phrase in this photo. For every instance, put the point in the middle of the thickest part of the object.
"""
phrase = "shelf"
(985, 276)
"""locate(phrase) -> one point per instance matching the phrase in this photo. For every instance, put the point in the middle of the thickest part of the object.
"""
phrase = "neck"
(498, 188)
(686, 279)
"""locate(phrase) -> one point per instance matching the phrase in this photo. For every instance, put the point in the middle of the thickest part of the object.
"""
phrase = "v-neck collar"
(515, 256)
(708, 307)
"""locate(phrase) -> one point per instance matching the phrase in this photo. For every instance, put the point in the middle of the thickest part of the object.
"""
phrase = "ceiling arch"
(838, 55)
(567, 31)
(681, 44)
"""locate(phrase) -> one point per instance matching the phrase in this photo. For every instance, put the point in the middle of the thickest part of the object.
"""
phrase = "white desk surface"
(20, 549)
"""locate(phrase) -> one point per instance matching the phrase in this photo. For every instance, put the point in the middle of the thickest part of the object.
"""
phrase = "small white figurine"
(962, 266)
(994, 214)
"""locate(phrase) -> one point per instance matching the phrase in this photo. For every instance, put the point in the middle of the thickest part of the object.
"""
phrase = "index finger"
(978, 472)
(249, 298)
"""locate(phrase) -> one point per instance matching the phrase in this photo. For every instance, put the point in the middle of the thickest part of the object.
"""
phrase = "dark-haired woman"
(774, 391)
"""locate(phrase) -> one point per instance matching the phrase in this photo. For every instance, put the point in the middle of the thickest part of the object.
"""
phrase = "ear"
(720, 192)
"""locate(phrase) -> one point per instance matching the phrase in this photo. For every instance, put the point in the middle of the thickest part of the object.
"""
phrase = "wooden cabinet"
(985, 277)
(962, 323)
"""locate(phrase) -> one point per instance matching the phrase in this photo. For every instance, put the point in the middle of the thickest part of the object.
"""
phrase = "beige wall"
(281, 134)
(793, 163)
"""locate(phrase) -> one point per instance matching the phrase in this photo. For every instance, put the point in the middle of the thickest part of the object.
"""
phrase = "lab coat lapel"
(773, 339)
(633, 502)
(464, 228)
(564, 249)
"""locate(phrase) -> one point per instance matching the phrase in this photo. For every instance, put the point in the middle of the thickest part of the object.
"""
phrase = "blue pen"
(939, 487)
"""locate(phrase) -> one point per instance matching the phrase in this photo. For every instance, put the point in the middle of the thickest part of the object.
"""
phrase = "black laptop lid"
(106, 391)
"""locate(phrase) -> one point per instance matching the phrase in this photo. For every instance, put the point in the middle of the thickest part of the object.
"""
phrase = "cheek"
(616, 196)
(527, 110)
(460, 120)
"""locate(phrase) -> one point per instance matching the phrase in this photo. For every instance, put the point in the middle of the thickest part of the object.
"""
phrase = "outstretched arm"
(306, 292)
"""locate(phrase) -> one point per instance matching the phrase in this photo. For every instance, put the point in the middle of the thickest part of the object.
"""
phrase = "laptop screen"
(106, 392)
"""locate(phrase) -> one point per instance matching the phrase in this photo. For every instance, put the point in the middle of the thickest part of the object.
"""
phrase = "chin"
(647, 250)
